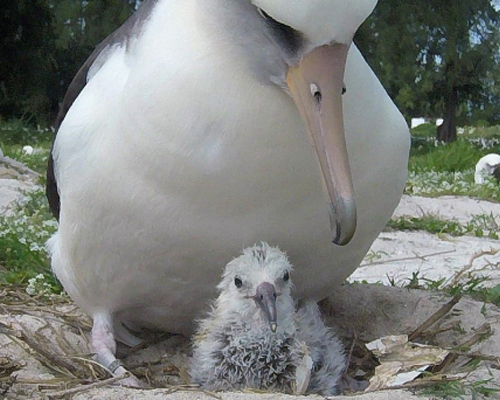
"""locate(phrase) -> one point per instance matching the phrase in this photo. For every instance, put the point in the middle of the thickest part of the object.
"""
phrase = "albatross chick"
(255, 338)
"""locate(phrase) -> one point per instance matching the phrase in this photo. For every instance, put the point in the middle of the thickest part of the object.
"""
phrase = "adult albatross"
(203, 126)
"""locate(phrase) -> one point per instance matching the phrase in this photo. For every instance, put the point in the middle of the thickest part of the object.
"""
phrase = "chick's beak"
(265, 297)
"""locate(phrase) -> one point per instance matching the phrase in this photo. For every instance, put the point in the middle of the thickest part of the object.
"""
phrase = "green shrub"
(425, 130)
(433, 184)
(14, 135)
(23, 234)
(15, 132)
(458, 156)
(480, 131)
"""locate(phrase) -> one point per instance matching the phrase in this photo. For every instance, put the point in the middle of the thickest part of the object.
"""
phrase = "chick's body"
(236, 348)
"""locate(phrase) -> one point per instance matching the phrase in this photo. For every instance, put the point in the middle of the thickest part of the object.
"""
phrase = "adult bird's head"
(257, 285)
(313, 38)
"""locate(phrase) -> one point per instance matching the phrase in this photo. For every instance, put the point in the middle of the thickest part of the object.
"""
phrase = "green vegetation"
(24, 232)
(427, 130)
(454, 157)
(479, 226)
(473, 287)
(22, 241)
(438, 59)
(430, 62)
(460, 390)
(14, 135)
(437, 169)
(428, 155)
(434, 184)
(43, 44)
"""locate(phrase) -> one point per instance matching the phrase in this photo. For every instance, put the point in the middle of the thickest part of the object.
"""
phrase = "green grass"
(23, 234)
(437, 169)
(15, 135)
(486, 132)
(425, 130)
(461, 390)
(473, 287)
(429, 130)
(453, 157)
(434, 184)
(480, 225)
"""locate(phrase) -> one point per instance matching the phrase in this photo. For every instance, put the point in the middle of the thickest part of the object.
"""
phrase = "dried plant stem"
(469, 265)
(416, 257)
(84, 388)
(434, 318)
(484, 329)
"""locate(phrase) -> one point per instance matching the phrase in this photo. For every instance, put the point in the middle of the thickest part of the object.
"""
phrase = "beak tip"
(274, 327)
(344, 223)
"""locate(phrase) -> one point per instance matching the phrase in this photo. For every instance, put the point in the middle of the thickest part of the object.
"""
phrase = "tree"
(436, 57)
(391, 40)
(43, 43)
(26, 48)
(80, 25)
(469, 51)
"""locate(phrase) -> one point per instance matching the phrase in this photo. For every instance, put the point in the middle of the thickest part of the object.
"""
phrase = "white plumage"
(235, 347)
(28, 150)
(183, 146)
(486, 167)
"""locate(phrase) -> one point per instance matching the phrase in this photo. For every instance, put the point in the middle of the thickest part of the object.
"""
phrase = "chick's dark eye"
(286, 277)
(238, 283)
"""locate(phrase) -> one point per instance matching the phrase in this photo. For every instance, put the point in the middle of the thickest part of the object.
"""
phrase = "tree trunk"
(447, 131)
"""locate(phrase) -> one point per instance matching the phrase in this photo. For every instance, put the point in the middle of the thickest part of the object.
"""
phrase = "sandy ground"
(47, 348)
(44, 348)
(395, 256)
(461, 209)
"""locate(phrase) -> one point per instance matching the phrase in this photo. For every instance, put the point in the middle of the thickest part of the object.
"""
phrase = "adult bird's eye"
(315, 92)
(344, 89)
(286, 277)
(238, 283)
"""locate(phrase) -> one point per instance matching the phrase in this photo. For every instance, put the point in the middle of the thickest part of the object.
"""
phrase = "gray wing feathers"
(325, 350)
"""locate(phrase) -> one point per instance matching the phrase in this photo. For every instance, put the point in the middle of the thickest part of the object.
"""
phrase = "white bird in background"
(253, 337)
(486, 166)
(28, 150)
(201, 127)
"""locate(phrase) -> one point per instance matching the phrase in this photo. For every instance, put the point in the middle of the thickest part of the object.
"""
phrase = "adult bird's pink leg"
(103, 344)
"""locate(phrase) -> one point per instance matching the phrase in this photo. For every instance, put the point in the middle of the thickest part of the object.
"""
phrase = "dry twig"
(84, 388)
(483, 330)
(469, 265)
(416, 257)
(445, 309)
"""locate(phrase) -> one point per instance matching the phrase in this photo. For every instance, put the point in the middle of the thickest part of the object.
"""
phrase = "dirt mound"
(44, 349)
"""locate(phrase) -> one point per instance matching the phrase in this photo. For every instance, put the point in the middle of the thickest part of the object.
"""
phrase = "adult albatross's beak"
(316, 84)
